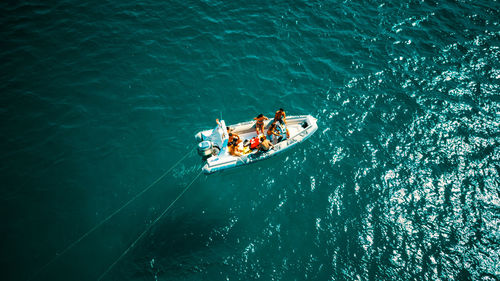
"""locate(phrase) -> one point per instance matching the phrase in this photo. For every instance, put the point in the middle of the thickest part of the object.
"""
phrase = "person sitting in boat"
(280, 115)
(265, 144)
(259, 124)
(233, 148)
(234, 137)
(272, 132)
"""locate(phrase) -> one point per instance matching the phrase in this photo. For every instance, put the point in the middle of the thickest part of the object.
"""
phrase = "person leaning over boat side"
(259, 124)
(265, 144)
(272, 131)
(280, 115)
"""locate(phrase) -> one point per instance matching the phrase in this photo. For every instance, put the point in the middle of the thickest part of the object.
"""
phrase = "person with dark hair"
(232, 145)
(272, 131)
(259, 124)
(280, 115)
(265, 144)
(234, 137)
(234, 149)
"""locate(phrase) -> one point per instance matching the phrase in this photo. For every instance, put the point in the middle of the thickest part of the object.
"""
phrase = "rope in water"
(58, 255)
(148, 228)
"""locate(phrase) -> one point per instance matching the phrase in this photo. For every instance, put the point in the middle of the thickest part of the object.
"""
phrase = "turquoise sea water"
(400, 182)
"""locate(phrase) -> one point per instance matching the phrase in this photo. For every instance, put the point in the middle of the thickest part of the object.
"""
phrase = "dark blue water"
(400, 182)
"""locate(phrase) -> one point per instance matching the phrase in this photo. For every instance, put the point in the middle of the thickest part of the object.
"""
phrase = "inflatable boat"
(213, 144)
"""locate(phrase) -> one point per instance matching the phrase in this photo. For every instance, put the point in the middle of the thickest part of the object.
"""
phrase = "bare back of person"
(280, 115)
(265, 144)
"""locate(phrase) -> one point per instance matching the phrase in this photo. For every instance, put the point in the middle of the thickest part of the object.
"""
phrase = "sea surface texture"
(100, 98)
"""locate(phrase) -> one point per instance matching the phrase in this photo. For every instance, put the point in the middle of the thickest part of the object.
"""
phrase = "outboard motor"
(205, 149)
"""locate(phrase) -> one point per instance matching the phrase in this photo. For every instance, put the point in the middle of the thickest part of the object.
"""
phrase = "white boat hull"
(300, 128)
